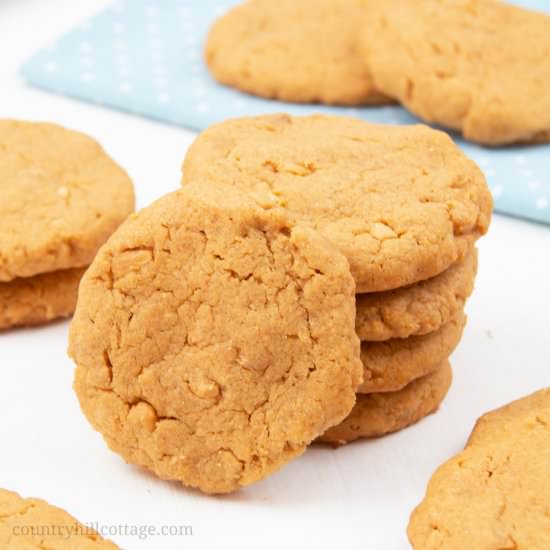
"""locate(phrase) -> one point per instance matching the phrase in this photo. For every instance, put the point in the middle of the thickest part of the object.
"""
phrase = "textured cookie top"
(32, 524)
(401, 202)
(214, 340)
(61, 196)
(416, 309)
(490, 423)
(496, 493)
(294, 50)
(479, 67)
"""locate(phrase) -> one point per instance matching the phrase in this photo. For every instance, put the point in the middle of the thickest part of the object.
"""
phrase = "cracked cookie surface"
(417, 309)
(391, 365)
(486, 74)
(39, 299)
(214, 339)
(379, 414)
(33, 524)
(61, 196)
(495, 494)
(402, 203)
(293, 50)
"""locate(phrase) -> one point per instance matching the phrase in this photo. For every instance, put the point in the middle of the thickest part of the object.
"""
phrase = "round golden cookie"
(402, 203)
(416, 309)
(481, 68)
(39, 299)
(389, 366)
(293, 50)
(379, 414)
(495, 493)
(61, 196)
(33, 524)
(214, 340)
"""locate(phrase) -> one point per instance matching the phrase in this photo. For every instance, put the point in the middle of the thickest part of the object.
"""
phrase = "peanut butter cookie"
(402, 203)
(61, 196)
(214, 339)
(391, 365)
(33, 524)
(481, 68)
(379, 414)
(38, 299)
(487, 425)
(295, 50)
(496, 493)
(416, 309)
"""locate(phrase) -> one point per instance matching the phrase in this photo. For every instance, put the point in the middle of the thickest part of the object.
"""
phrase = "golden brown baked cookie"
(33, 524)
(402, 203)
(391, 365)
(294, 50)
(214, 340)
(478, 67)
(496, 493)
(490, 423)
(416, 309)
(38, 299)
(379, 414)
(61, 196)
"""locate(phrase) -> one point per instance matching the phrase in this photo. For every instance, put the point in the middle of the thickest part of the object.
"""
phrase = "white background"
(359, 496)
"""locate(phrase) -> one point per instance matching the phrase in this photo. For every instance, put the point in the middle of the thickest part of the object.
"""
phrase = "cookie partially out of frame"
(402, 203)
(304, 51)
(481, 68)
(61, 196)
(214, 340)
(391, 365)
(39, 299)
(491, 422)
(33, 524)
(379, 414)
(417, 309)
(496, 493)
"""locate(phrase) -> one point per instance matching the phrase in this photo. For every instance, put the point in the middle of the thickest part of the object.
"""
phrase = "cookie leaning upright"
(496, 493)
(214, 339)
(61, 196)
(402, 203)
(481, 68)
(293, 50)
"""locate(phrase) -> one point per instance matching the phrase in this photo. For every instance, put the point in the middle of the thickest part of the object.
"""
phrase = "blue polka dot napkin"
(145, 57)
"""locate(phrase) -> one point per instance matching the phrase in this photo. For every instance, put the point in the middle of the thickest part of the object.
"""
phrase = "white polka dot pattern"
(145, 56)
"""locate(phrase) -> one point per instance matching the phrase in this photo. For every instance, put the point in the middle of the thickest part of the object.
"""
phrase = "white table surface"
(360, 495)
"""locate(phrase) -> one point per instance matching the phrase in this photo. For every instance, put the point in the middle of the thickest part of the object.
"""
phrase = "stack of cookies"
(407, 336)
(405, 207)
(216, 332)
(466, 65)
(61, 197)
